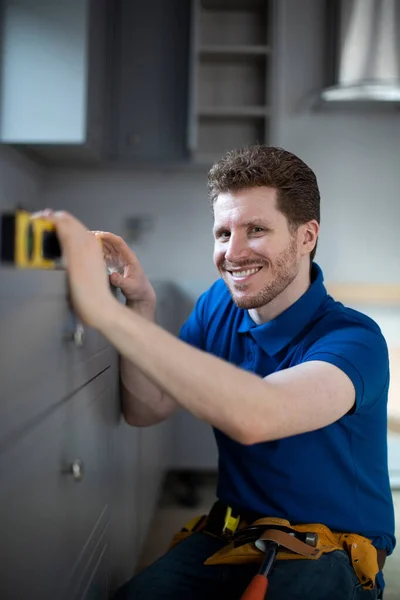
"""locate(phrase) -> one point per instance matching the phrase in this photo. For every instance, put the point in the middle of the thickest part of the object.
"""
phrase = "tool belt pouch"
(195, 524)
(362, 553)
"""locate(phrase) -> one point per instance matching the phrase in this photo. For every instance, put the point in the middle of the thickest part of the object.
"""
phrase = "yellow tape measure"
(29, 243)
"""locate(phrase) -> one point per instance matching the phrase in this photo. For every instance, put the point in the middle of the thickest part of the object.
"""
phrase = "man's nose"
(238, 249)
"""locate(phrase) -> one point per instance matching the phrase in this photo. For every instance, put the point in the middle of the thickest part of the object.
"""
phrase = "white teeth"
(245, 273)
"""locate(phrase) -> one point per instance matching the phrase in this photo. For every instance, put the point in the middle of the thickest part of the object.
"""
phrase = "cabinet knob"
(76, 470)
(77, 336)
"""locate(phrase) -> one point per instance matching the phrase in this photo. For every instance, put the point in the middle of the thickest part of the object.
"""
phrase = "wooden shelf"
(378, 294)
(234, 111)
(236, 50)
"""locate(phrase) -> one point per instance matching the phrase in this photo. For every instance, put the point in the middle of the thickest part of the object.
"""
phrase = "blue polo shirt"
(336, 475)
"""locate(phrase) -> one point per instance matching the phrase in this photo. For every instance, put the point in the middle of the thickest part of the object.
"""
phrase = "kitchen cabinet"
(78, 486)
(192, 83)
(230, 102)
(59, 413)
(52, 87)
(150, 87)
(68, 462)
(120, 82)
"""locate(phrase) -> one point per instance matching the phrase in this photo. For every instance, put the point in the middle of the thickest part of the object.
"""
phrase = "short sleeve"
(362, 354)
(192, 331)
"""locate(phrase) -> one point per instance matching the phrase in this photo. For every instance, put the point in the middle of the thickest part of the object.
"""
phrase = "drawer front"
(92, 414)
(93, 582)
(34, 508)
(54, 487)
(45, 357)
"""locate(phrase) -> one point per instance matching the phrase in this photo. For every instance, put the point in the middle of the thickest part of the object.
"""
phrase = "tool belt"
(246, 532)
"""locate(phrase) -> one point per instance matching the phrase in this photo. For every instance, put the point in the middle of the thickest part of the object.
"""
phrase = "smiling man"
(294, 384)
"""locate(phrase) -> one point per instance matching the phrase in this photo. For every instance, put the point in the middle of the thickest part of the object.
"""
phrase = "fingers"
(113, 246)
(116, 279)
(70, 231)
(116, 245)
(63, 221)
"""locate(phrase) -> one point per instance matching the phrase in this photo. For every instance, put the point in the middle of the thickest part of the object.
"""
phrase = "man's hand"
(89, 286)
(127, 273)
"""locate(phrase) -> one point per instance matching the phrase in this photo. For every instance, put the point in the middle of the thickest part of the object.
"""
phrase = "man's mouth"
(243, 273)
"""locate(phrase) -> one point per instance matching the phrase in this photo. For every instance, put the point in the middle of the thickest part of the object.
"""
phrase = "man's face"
(255, 252)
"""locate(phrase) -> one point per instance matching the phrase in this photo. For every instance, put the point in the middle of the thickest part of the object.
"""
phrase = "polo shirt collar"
(275, 335)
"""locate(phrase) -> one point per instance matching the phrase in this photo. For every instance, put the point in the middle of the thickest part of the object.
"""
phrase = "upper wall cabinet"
(230, 101)
(192, 79)
(150, 81)
(135, 82)
(52, 77)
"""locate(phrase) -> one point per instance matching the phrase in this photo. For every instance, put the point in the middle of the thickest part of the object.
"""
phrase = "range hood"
(366, 52)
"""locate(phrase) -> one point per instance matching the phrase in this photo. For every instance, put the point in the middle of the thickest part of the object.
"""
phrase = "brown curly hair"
(298, 196)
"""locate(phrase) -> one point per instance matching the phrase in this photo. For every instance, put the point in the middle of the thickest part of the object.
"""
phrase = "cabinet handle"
(76, 470)
(78, 336)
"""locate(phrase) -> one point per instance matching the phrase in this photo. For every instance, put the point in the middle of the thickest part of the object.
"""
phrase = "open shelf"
(230, 103)
(217, 135)
(227, 81)
(233, 111)
(233, 23)
(215, 50)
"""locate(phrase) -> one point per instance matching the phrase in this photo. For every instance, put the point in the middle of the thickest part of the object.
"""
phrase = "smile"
(244, 274)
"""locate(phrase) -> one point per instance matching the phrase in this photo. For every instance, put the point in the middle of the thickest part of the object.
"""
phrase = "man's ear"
(309, 236)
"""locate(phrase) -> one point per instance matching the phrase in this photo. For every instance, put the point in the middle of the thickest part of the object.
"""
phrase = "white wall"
(20, 181)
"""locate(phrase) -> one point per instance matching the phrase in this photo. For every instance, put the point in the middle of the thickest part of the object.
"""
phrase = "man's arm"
(143, 402)
(244, 406)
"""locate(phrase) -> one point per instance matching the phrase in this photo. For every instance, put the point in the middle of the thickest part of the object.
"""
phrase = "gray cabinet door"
(89, 418)
(151, 80)
(125, 518)
(35, 558)
(54, 495)
(44, 356)
(97, 586)
(94, 582)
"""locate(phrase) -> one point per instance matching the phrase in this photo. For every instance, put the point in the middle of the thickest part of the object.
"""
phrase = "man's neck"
(287, 298)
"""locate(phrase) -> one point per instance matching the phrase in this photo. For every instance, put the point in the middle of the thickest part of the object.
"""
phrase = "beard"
(282, 272)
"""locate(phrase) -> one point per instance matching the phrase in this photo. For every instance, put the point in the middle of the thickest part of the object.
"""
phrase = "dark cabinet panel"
(151, 70)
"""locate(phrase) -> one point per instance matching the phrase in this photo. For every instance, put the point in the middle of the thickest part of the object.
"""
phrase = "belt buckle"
(231, 523)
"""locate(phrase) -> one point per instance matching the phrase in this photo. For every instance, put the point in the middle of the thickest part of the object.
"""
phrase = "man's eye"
(224, 235)
(258, 229)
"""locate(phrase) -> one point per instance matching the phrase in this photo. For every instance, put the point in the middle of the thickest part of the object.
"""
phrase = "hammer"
(258, 586)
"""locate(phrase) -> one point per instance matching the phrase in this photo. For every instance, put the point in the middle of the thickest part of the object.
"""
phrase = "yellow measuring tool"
(28, 243)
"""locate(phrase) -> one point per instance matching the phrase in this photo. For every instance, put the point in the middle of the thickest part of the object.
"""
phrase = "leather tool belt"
(246, 532)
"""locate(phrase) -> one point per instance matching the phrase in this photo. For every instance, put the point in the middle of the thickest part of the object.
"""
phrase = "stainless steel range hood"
(366, 52)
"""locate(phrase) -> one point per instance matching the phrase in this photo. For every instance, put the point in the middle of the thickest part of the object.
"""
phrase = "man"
(294, 384)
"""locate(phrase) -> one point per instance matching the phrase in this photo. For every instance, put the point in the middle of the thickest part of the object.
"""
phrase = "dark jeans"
(181, 575)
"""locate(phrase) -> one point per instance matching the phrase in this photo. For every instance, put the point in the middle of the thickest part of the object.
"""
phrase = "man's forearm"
(143, 402)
